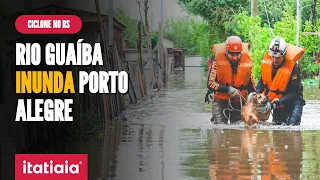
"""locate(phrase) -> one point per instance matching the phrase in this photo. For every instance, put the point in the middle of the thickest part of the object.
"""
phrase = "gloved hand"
(250, 96)
(209, 96)
(233, 92)
(277, 104)
(269, 106)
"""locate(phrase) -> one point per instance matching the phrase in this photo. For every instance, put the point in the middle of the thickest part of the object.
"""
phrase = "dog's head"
(260, 99)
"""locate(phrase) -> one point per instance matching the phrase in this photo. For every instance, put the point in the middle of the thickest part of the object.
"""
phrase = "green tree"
(224, 18)
(180, 31)
(216, 12)
(312, 45)
(259, 36)
(131, 32)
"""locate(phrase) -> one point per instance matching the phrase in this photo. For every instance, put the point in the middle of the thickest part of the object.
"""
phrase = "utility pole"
(161, 27)
(254, 4)
(160, 54)
(161, 14)
(162, 21)
(298, 23)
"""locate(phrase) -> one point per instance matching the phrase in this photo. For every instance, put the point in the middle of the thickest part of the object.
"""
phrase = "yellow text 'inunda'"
(44, 82)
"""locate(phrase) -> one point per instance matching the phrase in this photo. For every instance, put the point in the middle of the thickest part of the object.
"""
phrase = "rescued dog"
(250, 115)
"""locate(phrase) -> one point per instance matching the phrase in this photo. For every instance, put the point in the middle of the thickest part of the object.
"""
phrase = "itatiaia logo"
(50, 168)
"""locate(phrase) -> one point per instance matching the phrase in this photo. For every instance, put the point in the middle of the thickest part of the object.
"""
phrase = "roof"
(85, 16)
(168, 38)
(179, 49)
(182, 50)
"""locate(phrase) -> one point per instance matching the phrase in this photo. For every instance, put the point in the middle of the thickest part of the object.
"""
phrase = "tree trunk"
(150, 74)
(139, 46)
(314, 13)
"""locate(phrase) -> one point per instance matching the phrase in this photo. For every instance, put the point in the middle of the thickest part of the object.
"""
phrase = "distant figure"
(230, 76)
(280, 80)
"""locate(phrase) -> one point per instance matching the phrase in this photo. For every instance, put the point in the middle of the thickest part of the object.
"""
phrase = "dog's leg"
(248, 120)
(253, 118)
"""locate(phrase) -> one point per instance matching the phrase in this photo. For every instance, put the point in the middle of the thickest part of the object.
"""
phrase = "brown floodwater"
(173, 138)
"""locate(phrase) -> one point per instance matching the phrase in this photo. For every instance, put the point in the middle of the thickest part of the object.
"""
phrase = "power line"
(265, 8)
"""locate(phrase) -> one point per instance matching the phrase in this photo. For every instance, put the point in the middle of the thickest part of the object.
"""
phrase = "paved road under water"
(173, 138)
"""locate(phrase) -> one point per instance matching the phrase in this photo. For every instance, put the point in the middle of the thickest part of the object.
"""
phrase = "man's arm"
(212, 84)
(260, 86)
(294, 86)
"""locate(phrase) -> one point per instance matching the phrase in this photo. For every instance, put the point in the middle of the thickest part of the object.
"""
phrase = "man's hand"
(250, 96)
(276, 103)
(269, 106)
(209, 96)
(275, 100)
(265, 108)
(233, 92)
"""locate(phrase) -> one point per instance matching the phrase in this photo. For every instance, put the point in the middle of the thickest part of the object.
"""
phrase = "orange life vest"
(278, 86)
(225, 75)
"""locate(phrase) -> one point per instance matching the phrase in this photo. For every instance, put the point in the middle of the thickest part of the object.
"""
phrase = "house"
(168, 43)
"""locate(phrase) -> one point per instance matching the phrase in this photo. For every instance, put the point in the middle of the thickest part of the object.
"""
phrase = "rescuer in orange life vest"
(230, 75)
(280, 80)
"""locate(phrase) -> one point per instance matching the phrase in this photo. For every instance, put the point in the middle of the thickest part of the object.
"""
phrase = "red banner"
(48, 24)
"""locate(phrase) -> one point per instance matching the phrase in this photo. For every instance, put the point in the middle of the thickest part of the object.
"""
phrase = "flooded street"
(173, 138)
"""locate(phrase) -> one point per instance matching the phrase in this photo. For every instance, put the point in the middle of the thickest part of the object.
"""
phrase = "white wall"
(167, 43)
(132, 55)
